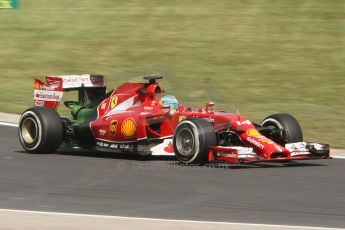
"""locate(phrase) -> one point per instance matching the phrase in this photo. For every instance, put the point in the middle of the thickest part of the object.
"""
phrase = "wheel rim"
(272, 122)
(185, 142)
(276, 124)
(29, 131)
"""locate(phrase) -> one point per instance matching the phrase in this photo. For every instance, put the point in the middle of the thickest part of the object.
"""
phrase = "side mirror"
(209, 105)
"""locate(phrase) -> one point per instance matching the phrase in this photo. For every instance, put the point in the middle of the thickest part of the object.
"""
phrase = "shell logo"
(112, 127)
(253, 133)
(129, 127)
(113, 102)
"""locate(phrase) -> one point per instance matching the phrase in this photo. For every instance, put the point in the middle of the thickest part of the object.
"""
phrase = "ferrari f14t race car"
(136, 118)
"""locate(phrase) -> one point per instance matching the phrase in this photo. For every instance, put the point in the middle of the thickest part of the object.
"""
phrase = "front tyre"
(283, 121)
(40, 130)
(192, 139)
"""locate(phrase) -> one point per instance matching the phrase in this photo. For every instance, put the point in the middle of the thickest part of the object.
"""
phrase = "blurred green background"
(259, 57)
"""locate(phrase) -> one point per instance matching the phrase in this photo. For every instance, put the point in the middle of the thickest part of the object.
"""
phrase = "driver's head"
(170, 101)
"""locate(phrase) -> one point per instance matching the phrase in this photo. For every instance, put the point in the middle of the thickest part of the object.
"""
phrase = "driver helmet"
(171, 101)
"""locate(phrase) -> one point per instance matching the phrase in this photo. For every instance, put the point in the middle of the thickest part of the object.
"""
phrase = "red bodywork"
(134, 114)
(142, 110)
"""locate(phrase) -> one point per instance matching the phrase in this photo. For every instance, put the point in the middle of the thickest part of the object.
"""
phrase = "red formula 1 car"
(136, 118)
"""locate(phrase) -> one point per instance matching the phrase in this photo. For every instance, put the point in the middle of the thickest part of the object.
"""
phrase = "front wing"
(297, 151)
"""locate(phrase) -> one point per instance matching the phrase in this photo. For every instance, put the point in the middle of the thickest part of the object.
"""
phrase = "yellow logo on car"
(181, 118)
(265, 140)
(113, 102)
(129, 128)
(37, 85)
(112, 127)
(253, 133)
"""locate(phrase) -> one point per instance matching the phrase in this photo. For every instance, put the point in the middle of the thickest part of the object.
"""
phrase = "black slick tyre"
(192, 138)
(40, 130)
(293, 132)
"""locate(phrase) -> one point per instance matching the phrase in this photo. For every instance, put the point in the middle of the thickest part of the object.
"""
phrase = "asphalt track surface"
(309, 193)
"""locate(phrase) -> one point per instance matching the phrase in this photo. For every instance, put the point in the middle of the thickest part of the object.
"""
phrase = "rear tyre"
(293, 132)
(40, 130)
(192, 139)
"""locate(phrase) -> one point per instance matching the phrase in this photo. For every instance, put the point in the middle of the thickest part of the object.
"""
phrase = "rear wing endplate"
(49, 93)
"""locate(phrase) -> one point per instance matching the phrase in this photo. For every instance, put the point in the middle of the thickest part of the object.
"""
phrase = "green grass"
(260, 56)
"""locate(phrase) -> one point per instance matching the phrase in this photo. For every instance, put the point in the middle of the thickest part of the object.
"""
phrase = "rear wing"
(50, 93)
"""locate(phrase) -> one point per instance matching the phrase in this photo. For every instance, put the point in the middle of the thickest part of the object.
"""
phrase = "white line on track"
(9, 124)
(339, 157)
(157, 219)
(62, 214)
